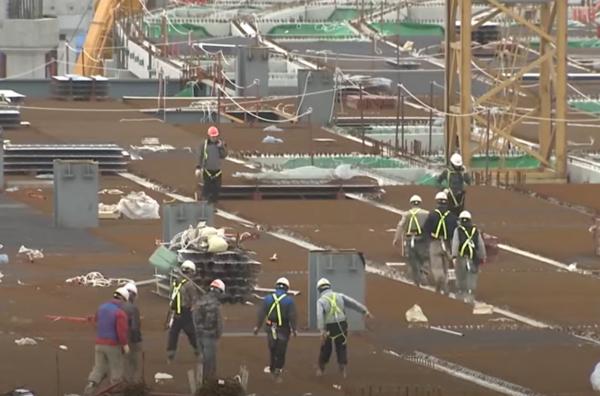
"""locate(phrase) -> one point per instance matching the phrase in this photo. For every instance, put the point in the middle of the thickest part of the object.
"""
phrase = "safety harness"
(414, 220)
(450, 173)
(209, 173)
(441, 226)
(469, 243)
(334, 311)
(176, 296)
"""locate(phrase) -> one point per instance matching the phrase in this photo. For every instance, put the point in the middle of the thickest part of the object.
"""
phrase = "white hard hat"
(465, 214)
(441, 196)
(323, 282)
(218, 284)
(456, 160)
(188, 265)
(415, 198)
(283, 281)
(131, 288)
(122, 291)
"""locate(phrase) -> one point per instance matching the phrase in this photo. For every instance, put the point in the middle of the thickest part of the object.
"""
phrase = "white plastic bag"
(137, 206)
(595, 378)
(216, 244)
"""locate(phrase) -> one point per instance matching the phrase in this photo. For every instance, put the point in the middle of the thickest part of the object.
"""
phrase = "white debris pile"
(26, 341)
(152, 144)
(111, 191)
(272, 140)
(162, 377)
(415, 315)
(31, 254)
(341, 172)
(138, 206)
(205, 239)
(272, 128)
(96, 279)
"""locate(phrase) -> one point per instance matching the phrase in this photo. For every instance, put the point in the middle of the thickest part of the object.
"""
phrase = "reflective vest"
(276, 306)
(176, 296)
(467, 242)
(208, 173)
(414, 220)
(441, 225)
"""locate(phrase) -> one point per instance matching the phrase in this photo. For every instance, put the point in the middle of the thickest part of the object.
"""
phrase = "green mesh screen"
(153, 31)
(344, 14)
(329, 29)
(330, 163)
(520, 161)
(408, 29)
(575, 43)
(588, 106)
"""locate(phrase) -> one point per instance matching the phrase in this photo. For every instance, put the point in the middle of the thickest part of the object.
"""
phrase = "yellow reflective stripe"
(413, 217)
(276, 305)
(333, 307)
(205, 150)
(441, 224)
(211, 175)
(176, 295)
(468, 242)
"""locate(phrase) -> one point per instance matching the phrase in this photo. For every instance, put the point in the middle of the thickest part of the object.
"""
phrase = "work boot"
(277, 376)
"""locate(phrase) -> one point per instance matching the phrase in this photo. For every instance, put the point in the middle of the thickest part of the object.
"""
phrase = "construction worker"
(111, 342)
(410, 234)
(183, 297)
(331, 320)
(278, 314)
(213, 150)
(439, 228)
(208, 323)
(132, 371)
(453, 180)
(468, 252)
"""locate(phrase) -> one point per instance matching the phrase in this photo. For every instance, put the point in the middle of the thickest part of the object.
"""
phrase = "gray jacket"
(326, 315)
(211, 154)
(135, 323)
(402, 229)
(479, 252)
(206, 312)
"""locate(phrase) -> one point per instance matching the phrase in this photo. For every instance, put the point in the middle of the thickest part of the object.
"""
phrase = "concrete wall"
(69, 14)
(25, 64)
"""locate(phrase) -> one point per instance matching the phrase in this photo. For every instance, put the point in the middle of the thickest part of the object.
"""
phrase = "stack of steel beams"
(71, 87)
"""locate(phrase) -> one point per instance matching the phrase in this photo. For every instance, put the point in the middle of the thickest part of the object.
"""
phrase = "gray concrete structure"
(76, 194)
(346, 272)
(1, 164)
(315, 88)
(177, 217)
(252, 71)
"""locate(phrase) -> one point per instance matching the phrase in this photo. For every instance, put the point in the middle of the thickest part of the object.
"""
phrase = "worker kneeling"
(468, 252)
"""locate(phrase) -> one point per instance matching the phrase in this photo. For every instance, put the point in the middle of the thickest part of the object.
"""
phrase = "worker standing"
(468, 253)
(111, 342)
(410, 234)
(183, 297)
(212, 152)
(454, 179)
(278, 314)
(208, 324)
(439, 228)
(132, 371)
(332, 321)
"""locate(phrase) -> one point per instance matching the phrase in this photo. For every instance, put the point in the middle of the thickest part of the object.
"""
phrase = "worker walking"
(278, 314)
(111, 342)
(410, 234)
(212, 152)
(208, 324)
(133, 360)
(454, 179)
(439, 228)
(331, 320)
(183, 297)
(468, 253)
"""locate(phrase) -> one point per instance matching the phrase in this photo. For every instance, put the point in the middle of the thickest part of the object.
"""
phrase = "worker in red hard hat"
(212, 152)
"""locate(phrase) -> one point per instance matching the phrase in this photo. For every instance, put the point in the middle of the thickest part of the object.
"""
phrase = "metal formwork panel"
(76, 194)
(346, 271)
(178, 216)
(252, 65)
(316, 90)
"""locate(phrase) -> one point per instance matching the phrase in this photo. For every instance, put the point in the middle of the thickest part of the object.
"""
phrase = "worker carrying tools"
(111, 342)
(454, 179)
(183, 297)
(278, 314)
(208, 323)
(133, 360)
(414, 242)
(468, 253)
(439, 228)
(213, 150)
(331, 320)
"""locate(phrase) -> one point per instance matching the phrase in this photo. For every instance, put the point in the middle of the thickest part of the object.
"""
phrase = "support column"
(561, 87)
(466, 107)
(450, 76)
(545, 95)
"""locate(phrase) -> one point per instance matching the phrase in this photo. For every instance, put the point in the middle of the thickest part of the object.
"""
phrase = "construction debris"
(443, 330)
(162, 377)
(96, 279)
(25, 341)
(595, 378)
(272, 140)
(32, 254)
(111, 191)
(482, 309)
(138, 206)
(416, 315)
(272, 128)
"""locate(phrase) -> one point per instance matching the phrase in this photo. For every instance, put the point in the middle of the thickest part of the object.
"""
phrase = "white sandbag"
(595, 378)
(216, 244)
(416, 315)
(208, 231)
(138, 206)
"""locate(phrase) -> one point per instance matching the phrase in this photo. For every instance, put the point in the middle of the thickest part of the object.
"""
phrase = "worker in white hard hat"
(468, 253)
(439, 228)
(409, 234)
(183, 296)
(208, 324)
(111, 342)
(133, 360)
(212, 152)
(454, 180)
(332, 322)
(278, 314)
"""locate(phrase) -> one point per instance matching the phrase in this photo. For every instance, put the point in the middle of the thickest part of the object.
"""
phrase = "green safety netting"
(187, 92)
(576, 43)
(517, 162)
(331, 163)
(328, 29)
(408, 29)
(154, 31)
(592, 106)
(343, 14)
(427, 180)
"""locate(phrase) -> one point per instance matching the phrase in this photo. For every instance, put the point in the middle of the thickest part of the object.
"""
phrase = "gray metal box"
(178, 216)
(76, 194)
(319, 85)
(345, 269)
(252, 64)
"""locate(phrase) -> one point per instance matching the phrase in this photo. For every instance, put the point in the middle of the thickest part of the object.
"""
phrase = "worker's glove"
(198, 172)
(255, 331)
(126, 349)
(220, 143)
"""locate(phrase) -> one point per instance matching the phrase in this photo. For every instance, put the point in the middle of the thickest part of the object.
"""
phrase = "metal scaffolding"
(510, 102)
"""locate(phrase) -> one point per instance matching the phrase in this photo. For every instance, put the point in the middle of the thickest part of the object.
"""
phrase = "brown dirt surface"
(585, 195)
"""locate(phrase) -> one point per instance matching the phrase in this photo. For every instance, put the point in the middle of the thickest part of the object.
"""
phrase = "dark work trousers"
(211, 185)
(338, 335)
(277, 347)
(456, 206)
(181, 322)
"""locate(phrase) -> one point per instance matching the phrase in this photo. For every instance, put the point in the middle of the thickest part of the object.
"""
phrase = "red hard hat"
(213, 131)
(218, 284)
